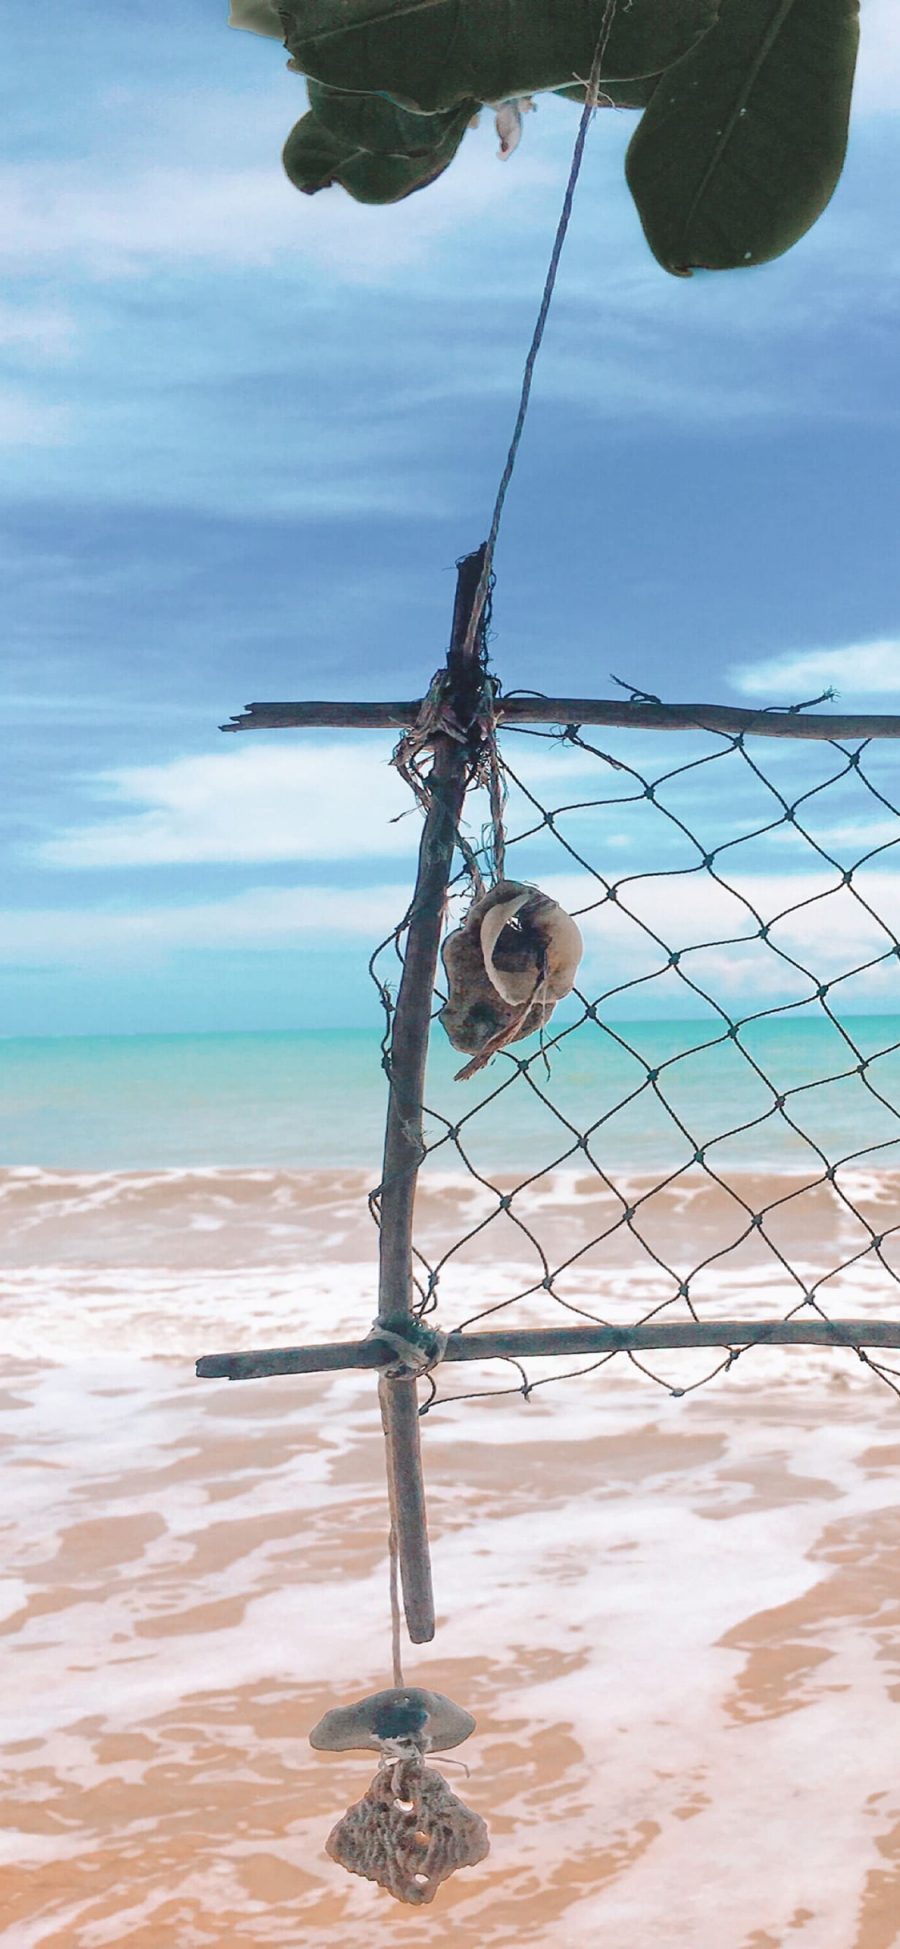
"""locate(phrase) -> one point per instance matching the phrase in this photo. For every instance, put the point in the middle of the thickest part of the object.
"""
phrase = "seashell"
(427, 1720)
(514, 957)
(542, 948)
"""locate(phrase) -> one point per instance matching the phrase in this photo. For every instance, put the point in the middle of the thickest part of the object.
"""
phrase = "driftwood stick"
(404, 1146)
(579, 710)
(520, 1343)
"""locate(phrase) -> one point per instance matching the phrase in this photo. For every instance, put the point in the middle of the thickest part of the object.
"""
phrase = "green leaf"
(432, 54)
(315, 158)
(373, 122)
(744, 140)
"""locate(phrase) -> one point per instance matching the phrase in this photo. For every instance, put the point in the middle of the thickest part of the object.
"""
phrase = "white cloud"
(116, 225)
(831, 936)
(859, 670)
(239, 217)
(687, 909)
(717, 933)
(878, 74)
(26, 422)
(261, 800)
(856, 838)
(263, 918)
(256, 801)
(38, 331)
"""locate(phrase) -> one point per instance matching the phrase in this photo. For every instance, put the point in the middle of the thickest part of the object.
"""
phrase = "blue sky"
(244, 435)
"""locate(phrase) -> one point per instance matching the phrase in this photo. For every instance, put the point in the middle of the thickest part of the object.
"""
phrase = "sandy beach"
(675, 1620)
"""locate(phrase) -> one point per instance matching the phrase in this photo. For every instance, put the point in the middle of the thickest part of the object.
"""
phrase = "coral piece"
(409, 1832)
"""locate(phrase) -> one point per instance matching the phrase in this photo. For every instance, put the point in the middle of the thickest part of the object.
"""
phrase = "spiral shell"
(514, 957)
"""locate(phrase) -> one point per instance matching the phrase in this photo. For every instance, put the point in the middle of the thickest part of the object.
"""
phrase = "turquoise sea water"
(317, 1099)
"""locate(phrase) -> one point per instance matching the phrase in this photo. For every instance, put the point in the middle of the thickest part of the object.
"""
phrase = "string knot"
(418, 1347)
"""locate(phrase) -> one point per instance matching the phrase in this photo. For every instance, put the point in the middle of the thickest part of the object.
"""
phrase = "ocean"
(317, 1098)
(667, 1593)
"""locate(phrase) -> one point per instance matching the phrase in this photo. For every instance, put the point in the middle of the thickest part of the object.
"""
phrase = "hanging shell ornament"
(514, 957)
(409, 1832)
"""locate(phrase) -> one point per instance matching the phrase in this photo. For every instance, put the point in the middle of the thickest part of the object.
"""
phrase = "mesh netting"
(709, 1126)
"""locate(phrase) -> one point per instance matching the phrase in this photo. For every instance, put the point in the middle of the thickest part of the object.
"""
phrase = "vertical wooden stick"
(404, 1143)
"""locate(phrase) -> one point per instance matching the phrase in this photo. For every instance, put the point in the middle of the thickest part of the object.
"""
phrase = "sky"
(244, 437)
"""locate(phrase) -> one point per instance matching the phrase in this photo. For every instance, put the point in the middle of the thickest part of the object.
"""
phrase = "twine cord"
(436, 713)
(592, 95)
(418, 1347)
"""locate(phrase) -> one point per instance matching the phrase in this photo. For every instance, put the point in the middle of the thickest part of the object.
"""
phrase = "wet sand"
(677, 1622)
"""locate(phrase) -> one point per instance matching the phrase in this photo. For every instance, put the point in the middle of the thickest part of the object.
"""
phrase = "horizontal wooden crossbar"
(520, 1343)
(576, 710)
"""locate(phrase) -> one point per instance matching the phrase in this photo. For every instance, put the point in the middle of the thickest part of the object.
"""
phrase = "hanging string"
(496, 785)
(592, 93)
(433, 715)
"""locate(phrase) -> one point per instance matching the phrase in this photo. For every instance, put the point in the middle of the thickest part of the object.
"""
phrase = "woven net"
(709, 1126)
(409, 1832)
